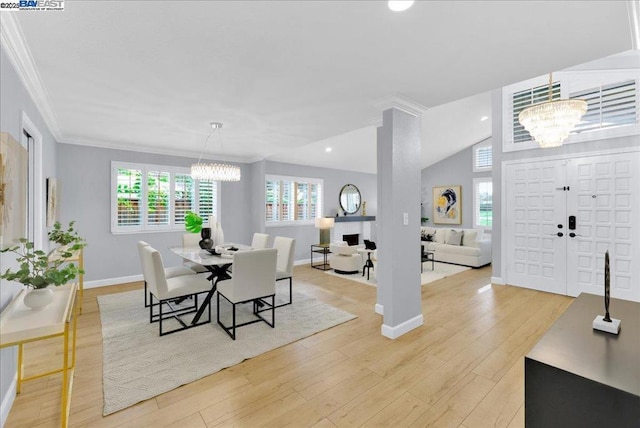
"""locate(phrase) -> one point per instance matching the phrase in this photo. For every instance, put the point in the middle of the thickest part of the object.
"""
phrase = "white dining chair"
(169, 290)
(169, 272)
(260, 241)
(286, 251)
(192, 240)
(254, 280)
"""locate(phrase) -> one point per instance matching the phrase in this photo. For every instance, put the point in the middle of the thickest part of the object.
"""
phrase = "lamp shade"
(324, 222)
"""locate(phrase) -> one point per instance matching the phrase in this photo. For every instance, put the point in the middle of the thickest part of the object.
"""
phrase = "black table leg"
(218, 273)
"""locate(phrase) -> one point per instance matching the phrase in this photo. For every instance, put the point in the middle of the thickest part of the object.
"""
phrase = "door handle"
(573, 235)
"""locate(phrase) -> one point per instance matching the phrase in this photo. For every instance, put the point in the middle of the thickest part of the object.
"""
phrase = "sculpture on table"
(606, 323)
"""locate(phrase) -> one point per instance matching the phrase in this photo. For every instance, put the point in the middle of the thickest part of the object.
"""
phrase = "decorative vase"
(38, 298)
(218, 235)
(206, 243)
(364, 208)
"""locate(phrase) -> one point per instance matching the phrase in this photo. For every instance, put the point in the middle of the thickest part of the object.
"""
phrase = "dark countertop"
(572, 345)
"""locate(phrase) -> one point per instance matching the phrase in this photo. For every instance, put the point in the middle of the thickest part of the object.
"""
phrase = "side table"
(368, 263)
(324, 250)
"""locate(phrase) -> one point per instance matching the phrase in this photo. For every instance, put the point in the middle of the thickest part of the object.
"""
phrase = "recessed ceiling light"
(400, 5)
(328, 149)
(483, 118)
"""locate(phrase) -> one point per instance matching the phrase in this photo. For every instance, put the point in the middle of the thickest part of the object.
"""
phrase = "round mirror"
(350, 199)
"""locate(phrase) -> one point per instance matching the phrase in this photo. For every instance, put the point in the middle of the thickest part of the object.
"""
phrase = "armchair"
(345, 259)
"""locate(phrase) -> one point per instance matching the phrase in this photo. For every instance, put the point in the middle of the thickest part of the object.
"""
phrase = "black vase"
(206, 243)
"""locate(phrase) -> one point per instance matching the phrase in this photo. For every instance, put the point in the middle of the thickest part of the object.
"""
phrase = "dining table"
(217, 264)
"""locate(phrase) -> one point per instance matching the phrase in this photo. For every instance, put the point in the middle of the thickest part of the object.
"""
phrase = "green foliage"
(192, 222)
(424, 219)
(38, 269)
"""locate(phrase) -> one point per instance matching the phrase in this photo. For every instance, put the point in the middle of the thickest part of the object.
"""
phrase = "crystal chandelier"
(214, 171)
(550, 122)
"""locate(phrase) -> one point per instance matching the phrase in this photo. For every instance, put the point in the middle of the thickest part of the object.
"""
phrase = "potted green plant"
(192, 222)
(38, 270)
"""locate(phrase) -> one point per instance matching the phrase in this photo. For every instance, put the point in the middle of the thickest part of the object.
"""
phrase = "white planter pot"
(38, 299)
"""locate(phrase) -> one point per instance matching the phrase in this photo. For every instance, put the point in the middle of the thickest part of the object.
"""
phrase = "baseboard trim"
(112, 281)
(379, 309)
(497, 280)
(7, 401)
(402, 328)
(302, 262)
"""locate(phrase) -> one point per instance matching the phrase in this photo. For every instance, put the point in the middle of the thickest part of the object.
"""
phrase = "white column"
(398, 220)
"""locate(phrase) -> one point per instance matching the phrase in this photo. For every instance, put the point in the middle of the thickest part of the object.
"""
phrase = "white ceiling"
(289, 78)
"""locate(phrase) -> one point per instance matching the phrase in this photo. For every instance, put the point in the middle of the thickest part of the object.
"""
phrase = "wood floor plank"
(462, 368)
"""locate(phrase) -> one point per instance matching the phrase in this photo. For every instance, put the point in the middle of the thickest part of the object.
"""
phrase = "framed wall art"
(52, 201)
(447, 205)
(13, 190)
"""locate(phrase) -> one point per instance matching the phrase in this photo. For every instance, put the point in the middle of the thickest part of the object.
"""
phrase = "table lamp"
(324, 224)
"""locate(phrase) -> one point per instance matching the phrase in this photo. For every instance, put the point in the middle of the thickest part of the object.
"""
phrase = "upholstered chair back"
(254, 275)
(260, 241)
(286, 251)
(157, 281)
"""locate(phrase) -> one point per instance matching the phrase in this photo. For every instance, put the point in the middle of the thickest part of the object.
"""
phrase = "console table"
(579, 377)
(20, 325)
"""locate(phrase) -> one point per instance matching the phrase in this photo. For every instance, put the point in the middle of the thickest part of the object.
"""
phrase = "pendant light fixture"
(550, 122)
(214, 171)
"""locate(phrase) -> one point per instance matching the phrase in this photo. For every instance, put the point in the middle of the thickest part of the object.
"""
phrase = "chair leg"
(147, 297)
(290, 292)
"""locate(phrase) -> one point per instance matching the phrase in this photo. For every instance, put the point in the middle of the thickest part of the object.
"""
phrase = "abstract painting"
(447, 205)
(13, 190)
(52, 201)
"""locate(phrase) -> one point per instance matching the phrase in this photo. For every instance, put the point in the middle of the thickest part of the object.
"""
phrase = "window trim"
(570, 81)
(305, 180)
(476, 208)
(481, 145)
(144, 227)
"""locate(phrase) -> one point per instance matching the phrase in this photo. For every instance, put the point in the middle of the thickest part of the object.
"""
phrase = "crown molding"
(401, 102)
(13, 41)
(634, 22)
(128, 147)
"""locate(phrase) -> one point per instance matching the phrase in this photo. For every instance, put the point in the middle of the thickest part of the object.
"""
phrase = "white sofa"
(474, 249)
(345, 258)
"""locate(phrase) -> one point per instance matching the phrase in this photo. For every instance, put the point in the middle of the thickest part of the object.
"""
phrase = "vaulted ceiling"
(288, 78)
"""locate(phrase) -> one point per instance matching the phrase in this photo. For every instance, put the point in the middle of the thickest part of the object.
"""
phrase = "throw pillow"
(455, 237)
(439, 236)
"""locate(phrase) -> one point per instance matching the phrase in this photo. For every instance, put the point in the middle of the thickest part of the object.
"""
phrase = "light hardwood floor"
(462, 368)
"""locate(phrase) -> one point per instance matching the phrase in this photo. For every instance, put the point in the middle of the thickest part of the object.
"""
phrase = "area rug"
(138, 364)
(440, 270)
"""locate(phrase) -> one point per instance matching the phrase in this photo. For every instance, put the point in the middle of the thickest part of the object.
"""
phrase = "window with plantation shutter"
(483, 202)
(292, 200)
(609, 106)
(612, 105)
(523, 99)
(482, 157)
(128, 197)
(156, 198)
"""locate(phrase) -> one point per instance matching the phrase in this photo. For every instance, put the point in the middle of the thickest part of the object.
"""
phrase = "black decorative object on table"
(606, 323)
(206, 242)
(607, 287)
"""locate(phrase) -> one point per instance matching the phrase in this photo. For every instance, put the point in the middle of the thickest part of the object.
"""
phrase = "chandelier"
(214, 171)
(550, 122)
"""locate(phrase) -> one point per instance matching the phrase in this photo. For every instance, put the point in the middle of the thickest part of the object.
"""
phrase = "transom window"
(482, 156)
(157, 197)
(292, 200)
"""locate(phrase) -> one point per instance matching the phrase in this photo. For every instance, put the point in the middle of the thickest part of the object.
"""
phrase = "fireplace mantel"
(355, 218)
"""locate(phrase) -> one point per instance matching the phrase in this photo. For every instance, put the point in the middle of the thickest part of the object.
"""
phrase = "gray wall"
(457, 169)
(14, 100)
(85, 196)
(334, 179)
(498, 157)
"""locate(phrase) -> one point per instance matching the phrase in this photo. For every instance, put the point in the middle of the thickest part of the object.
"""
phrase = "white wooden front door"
(535, 206)
(606, 203)
(603, 193)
